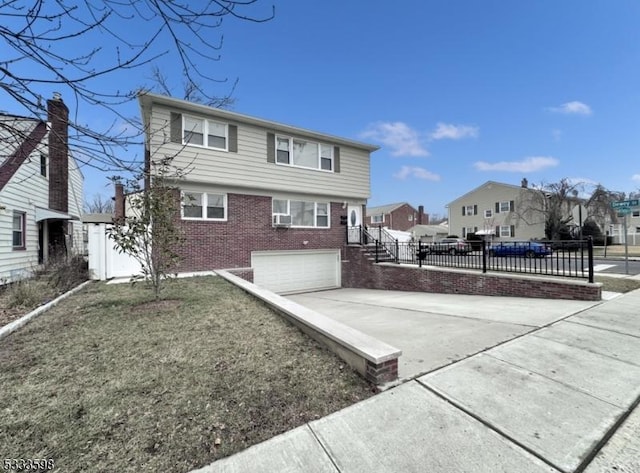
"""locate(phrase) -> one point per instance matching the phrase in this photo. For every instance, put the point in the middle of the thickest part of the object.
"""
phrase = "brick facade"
(398, 219)
(358, 271)
(221, 245)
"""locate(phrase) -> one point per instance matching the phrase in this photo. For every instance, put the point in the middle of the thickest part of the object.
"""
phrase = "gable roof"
(385, 209)
(147, 99)
(495, 183)
(25, 146)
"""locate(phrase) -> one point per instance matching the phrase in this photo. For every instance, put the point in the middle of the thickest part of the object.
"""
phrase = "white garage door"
(296, 271)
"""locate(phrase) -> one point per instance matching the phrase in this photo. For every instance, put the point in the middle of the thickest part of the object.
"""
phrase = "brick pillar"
(420, 214)
(58, 117)
(118, 206)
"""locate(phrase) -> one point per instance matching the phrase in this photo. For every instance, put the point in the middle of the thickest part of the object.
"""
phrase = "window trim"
(488, 213)
(315, 213)
(205, 133)
(23, 230)
(380, 216)
(508, 235)
(508, 202)
(205, 202)
(467, 211)
(318, 167)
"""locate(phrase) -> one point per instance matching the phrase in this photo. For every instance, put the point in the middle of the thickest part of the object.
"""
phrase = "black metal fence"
(553, 258)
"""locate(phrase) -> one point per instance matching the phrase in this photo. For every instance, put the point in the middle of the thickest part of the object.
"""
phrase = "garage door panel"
(296, 271)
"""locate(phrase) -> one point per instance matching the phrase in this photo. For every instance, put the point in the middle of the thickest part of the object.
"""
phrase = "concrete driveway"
(434, 330)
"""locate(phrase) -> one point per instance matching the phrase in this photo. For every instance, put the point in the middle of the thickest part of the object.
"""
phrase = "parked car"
(528, 249)
(451, 246)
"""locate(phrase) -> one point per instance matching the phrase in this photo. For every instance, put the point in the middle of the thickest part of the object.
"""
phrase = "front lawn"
(111, 381)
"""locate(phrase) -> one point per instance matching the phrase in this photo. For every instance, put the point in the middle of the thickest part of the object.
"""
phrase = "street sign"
(623, 211)
(625, 204)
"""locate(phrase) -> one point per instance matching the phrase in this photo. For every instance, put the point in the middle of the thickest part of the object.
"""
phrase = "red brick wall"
(399, 219)
(220, 245)
(360, 272)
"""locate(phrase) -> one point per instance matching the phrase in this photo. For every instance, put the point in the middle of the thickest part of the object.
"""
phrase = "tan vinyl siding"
(485, 198)
(249, 167)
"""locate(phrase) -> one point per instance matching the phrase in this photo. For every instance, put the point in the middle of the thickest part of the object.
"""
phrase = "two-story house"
(400, 216)
(494, 209)
(40, 192)
(259, 194)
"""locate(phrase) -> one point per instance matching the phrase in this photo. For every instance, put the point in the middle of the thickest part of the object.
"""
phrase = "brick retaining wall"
(358, 271)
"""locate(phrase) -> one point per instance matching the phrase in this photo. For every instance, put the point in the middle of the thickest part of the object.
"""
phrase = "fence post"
(397, 252)
(360, 235)
(484, 256)
(377, 251)
(590, 248)
(419, 254)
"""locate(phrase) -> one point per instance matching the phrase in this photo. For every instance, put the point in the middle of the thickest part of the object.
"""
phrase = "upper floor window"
(303, 213)
(505, 206)
(207, 133)
(635, 213)
(204, 205)
(469, 210)
(304, 154)
(488, 213)
(43, 164)
(18, 242)
(377, 218)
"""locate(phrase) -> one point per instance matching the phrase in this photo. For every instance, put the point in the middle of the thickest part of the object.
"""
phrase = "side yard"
(110, 381)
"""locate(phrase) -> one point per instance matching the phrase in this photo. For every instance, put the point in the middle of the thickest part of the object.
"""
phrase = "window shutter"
(233, 138)
(497, 207)
(475, 210)
(512, 206)
(498, 230)
(463, 211)
(336, 159)
(271, 148)
(175, 134)
(512, 230)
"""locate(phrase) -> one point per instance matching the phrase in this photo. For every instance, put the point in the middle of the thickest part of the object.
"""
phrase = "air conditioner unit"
(281, 220)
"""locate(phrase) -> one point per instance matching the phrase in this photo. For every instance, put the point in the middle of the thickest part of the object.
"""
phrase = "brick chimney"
(118, 205)
(58, 117)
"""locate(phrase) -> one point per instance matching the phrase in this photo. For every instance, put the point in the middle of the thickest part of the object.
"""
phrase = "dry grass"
(618, 284)
(109, 381)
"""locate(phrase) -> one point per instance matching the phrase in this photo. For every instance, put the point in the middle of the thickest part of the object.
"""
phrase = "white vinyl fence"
(105, 261)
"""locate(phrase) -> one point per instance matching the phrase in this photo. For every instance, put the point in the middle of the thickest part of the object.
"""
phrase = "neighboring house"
(400, 216)
(40, 192)
(259, 194)
(491, 210)
(429, 233)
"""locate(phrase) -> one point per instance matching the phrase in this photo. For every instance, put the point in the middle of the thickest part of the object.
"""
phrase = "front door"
(354, 222)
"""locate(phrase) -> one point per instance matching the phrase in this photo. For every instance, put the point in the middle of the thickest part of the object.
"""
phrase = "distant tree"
(592, 229)
(99, 204)
(599, 205)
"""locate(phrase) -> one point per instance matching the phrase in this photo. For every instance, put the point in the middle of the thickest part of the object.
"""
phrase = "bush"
(25, 293)
(67, 273)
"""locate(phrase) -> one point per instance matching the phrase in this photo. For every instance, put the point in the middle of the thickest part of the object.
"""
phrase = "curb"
(16, 324)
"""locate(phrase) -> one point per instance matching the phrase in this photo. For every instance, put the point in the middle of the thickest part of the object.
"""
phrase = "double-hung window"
(18, 238)
(504, 206)
(303, 213)
(505, 231)
(207, 133)
(377, 218)
(304, 154)
(204, 206)
(488, 213)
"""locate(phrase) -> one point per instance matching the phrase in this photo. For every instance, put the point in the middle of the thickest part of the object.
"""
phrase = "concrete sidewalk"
(544, 402)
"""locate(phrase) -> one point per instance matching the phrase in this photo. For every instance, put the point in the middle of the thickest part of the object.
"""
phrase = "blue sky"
(455, 92)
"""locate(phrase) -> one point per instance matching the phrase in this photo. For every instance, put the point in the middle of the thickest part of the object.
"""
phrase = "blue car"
(528, 249)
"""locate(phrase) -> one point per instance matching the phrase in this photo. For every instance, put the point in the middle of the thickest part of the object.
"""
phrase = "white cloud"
(447, 131)
(419, 173)
(573, 108)
(400, 137)
(530, 164)
(635, 177)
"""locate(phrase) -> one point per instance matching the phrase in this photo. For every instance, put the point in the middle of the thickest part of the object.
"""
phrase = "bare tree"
(99, 204)
(80, 48)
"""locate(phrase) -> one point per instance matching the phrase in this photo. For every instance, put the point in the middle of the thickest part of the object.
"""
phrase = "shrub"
(65, 274)
(25, 293)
